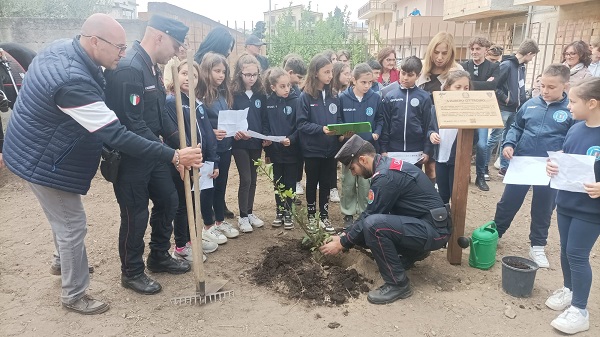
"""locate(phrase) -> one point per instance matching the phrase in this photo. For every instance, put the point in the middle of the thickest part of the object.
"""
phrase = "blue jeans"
(482, 149)
(498, 136)
(577, 237)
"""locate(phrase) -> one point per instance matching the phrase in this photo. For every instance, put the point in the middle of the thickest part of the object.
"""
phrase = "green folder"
(340, 129)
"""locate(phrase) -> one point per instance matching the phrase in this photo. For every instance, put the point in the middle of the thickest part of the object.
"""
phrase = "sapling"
(314, 235)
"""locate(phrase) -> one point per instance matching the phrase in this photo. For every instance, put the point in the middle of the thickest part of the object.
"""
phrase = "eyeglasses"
(250, 76)
(569, 54)
(121, 47)
(475, 70)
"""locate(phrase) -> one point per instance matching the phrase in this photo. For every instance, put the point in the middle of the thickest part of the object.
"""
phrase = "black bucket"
(518, 275)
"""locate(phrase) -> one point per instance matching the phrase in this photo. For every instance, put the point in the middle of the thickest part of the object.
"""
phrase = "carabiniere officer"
(405, 218)
(136, 93)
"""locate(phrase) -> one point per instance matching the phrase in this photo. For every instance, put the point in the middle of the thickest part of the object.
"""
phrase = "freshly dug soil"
(517, 264)
(292, 271)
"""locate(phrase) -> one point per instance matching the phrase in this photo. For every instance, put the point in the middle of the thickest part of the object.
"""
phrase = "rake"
(206, 292)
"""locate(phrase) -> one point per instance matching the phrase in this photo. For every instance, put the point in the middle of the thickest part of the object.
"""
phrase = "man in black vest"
(484, 76)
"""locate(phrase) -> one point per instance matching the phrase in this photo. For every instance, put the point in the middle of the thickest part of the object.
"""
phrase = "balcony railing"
(374, 7)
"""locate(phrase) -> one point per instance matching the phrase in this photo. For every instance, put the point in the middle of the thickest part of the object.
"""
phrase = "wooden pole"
(460, 192)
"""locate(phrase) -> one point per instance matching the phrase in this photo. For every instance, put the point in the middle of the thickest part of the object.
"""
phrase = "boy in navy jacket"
(541, 125)
(406, 114)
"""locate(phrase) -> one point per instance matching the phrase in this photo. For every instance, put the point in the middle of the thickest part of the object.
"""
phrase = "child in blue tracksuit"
(248, 92)
(280, 120)
(359, 103)
(407, 114)
(208, 141)
(444, 140)
(578, 214)
(541, 125)
(376, 86)
(317, 108)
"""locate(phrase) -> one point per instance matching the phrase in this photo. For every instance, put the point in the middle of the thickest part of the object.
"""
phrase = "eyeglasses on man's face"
(120, 47)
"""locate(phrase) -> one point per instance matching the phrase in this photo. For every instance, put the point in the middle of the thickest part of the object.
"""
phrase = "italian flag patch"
(134, 99)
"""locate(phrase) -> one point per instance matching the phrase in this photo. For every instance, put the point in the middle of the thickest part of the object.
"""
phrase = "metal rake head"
(199, 299)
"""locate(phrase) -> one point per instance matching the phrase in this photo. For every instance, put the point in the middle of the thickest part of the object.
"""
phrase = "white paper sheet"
(276, 139)
(409, 157)
(573, 171)
(206, 171)
(233, 121)
(524, 170)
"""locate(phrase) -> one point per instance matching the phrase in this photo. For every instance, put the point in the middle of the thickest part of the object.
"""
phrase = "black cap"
(350, 149)
(253, 40)
(171, 27)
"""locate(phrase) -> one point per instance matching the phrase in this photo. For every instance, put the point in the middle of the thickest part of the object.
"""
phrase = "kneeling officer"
(405, 218)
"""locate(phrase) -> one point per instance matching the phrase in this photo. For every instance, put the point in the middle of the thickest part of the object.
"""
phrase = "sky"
(250, 10)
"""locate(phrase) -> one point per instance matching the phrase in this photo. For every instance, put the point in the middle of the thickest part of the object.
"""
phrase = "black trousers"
(285, 174)
(319, 171)
(139, 182)
(444, 178)
(389, 236)
(244, 160)
(543, 203)
(220, 186)
(300, 170)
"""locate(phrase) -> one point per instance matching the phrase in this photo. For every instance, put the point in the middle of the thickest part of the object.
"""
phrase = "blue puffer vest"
(43, 145)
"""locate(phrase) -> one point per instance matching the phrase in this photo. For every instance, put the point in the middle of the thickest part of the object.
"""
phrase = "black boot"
(480, 182)
(228, 214)
(141, 284)
(389, 293)
(160, 262)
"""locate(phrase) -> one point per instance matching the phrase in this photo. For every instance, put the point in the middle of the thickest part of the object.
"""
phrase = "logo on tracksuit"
(595, 152)
(414, 102)
(560, 116)
(287, 110)
(369, 111)
(257, 104)
(201, 110)
(332, 108)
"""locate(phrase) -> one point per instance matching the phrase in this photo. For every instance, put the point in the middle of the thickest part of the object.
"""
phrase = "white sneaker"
(214, 235)
(571, 321)
(560, 299)
(227, 229)
(334, 195)
(539, 256)
(255, 221)
(245, 226)
(326, 225)
(299, 188)
(207, 246)
(497, 163)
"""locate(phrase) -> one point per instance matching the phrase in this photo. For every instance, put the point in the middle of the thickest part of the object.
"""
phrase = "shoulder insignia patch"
(134, 99)
(371, 197)
(396, 165)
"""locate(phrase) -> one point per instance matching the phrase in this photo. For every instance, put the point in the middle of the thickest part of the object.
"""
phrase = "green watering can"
(483, 242)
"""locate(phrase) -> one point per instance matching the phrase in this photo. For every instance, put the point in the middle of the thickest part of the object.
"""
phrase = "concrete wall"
(37, 33)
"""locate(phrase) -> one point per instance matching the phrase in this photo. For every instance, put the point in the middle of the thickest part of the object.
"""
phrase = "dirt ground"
(448, 300)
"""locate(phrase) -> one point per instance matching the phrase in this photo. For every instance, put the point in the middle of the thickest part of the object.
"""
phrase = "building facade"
(391, 24)
(552, 23)
(271, 17)
(124, 9)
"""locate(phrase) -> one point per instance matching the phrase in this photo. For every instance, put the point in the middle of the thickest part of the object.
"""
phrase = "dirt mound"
(292, 271)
